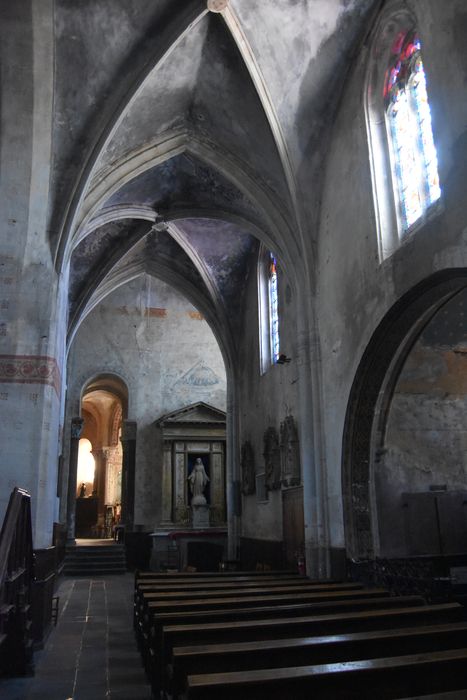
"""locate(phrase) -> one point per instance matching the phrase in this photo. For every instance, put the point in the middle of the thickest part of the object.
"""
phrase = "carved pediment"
(200, 413)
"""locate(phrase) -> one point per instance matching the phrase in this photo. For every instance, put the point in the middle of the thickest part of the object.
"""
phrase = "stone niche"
(197, 431)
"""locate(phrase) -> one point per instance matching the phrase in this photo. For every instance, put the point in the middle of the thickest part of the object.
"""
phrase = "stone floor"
(91, 654)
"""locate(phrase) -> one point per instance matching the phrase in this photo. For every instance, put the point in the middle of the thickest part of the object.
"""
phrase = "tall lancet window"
(412, 149)
(268, 309)
(273, 309)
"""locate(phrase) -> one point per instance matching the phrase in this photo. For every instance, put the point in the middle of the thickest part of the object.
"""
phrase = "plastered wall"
(265, 399)
(355, 289)
(162, 348)
(425, 445)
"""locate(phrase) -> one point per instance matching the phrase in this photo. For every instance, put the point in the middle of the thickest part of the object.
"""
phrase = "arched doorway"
(99, 478)
(420, 458)
(384, 370)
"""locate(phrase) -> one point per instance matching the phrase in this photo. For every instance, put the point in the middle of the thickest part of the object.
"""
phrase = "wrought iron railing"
(404, 576)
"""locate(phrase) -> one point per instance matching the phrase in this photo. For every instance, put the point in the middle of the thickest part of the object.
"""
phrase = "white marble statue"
(198, 480)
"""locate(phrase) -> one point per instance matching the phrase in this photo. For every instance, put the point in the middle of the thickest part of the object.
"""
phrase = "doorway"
(388, 455)
(99, 482)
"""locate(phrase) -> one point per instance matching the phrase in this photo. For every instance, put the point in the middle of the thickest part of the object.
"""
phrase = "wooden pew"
(242, 608)
(214, 574)
(144, 619)
(211, 593)
(146, 592)
(150, 633)
(201, 584)
(246, 656)
(281, 611)
(147, 586)
(147, 602)
(310, 625)
(388, 677)
(450, 695)
(300, 596)
(212, 598)
(317, 625)
(152, 649)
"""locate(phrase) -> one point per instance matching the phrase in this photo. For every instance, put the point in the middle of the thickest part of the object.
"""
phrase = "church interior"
(233, 306)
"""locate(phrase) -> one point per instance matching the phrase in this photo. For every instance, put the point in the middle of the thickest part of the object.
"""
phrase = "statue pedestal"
(200, 515)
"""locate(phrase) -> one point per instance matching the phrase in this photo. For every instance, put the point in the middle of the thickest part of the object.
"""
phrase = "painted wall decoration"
(30, 369)
(200, 375)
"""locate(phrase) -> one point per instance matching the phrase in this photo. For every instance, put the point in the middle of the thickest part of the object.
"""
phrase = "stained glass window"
(273, 309)
(409, 119)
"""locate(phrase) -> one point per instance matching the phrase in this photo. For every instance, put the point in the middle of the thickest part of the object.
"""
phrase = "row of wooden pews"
(276, 634)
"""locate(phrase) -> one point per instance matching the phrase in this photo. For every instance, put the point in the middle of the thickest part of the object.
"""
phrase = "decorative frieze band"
(30, 369)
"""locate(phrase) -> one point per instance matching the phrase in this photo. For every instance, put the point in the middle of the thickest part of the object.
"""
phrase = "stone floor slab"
(78, 662)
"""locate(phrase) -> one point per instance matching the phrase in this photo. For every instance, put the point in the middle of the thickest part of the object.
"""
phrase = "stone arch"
(370, 397)
(111, 383)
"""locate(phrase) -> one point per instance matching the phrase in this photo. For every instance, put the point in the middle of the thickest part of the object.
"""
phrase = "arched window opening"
(268, 298)
(413, 152)
(273, 309)
(403, 158)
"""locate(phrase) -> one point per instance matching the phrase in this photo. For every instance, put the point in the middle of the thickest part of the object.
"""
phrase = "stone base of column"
(317, 562)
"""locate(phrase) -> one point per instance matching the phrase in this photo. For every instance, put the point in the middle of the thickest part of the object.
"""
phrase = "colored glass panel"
(418, 85)
(273, 309)
(409, 117)
(406, 165)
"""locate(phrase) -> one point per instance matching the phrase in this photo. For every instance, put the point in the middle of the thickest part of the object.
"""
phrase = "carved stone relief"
(272, 459)
(247, 461)
(290, 453)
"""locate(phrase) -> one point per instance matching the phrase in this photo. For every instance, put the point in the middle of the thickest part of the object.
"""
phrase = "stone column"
(233, 469)
(167, 485)
(33, 319)
(76, 430)
(128, 440)
(100, 457)
(315, 480)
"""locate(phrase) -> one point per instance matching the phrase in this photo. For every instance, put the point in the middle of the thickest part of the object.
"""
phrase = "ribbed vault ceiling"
(215, 123)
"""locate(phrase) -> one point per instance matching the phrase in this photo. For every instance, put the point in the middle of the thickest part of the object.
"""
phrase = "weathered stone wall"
(265, 400)
(32, 324)
(355, 290)
(152, 338)
(426, 437)
(331, 232)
